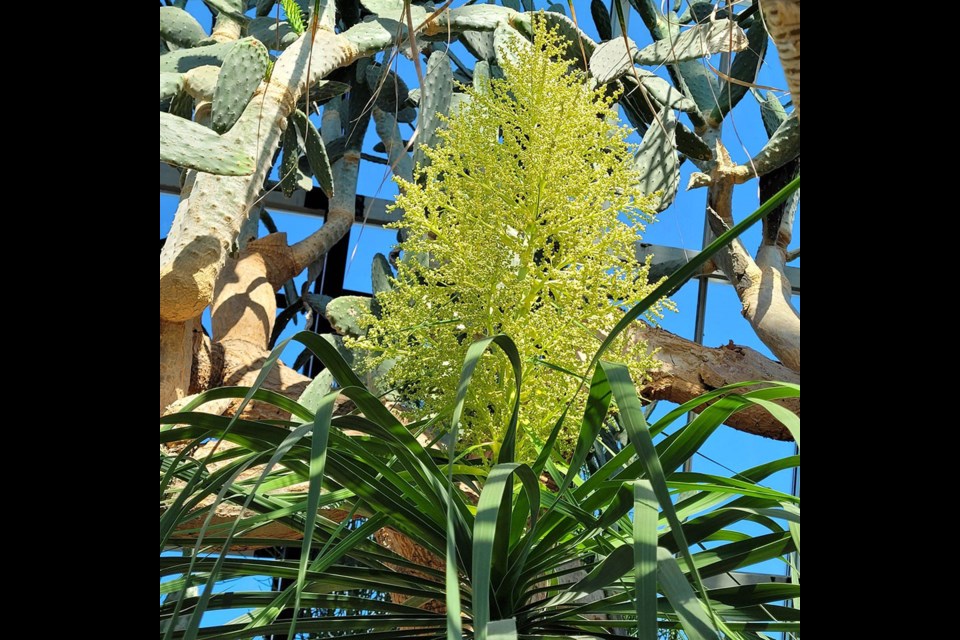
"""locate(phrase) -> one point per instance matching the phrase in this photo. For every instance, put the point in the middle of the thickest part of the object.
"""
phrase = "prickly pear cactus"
(242, 72)
(345, 313)
(180, 28)
(434, 102)
(215, 80)
(316, 153)
(191, 145)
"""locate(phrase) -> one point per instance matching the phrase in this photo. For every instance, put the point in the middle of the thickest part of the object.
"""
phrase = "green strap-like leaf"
(489, 548)
(645, 517)
(631, 416)
(318, 458)
(694, 618)
(474, 353)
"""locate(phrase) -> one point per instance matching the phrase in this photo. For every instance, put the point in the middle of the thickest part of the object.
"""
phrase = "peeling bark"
(782, 18)
(689, 370)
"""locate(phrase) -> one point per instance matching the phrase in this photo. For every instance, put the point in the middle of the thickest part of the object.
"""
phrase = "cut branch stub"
(201, 82)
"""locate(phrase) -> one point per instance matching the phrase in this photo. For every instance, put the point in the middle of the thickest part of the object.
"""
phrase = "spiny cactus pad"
(187, 144)
(612, 59)
(695, 43)
(242, 71)
(656, 159)
(316, 152)
(746, 65)
(344, 314)
(170, 85)
(183, 60)
(435, 99)
(276, 36)
(782, 147)
(180, 28)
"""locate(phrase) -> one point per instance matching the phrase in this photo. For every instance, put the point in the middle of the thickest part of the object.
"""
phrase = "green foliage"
(244, 68)
(180, 28)
(294, 15)
(187, 144)
(315, 150)
(511, 552)
(516, 234)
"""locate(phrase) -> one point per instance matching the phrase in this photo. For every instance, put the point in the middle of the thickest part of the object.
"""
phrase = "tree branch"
(689, 370)
(204, 231)
(761, 285)
(343, 204)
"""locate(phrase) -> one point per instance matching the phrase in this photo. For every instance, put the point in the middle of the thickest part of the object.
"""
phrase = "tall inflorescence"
(523, 223)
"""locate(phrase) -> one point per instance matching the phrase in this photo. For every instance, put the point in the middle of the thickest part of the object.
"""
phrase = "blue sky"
(680, 226)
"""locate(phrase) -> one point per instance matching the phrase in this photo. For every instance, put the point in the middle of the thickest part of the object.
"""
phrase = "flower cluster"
(516, 227)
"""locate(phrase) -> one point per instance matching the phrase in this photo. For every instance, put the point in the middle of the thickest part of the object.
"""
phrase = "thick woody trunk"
(176, 356)
(202, 235)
